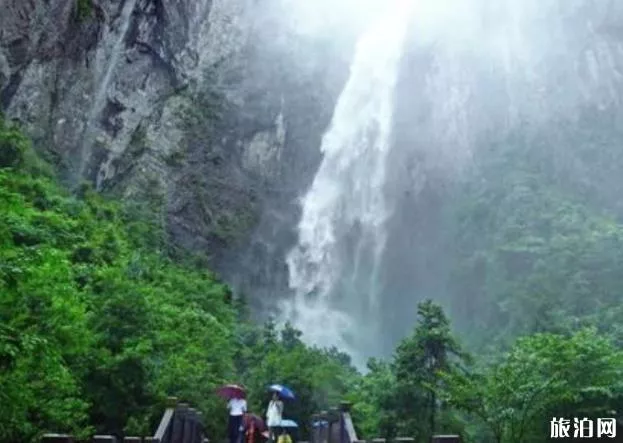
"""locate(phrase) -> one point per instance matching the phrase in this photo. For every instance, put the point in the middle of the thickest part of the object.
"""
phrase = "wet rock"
(113, 91)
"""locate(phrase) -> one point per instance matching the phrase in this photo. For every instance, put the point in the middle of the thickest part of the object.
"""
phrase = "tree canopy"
(101, 319)
(98, 325)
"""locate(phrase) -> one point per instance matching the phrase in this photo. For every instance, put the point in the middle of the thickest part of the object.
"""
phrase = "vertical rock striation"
(214, 107)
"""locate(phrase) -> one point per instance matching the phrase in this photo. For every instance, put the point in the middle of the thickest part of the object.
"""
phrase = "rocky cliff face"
(214, 108)
(473, 83)
(214, 111)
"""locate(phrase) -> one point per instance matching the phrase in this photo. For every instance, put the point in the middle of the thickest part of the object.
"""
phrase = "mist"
(374, 230)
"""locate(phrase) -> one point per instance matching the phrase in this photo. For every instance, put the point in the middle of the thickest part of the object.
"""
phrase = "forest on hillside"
(101, 318)
(536, 233)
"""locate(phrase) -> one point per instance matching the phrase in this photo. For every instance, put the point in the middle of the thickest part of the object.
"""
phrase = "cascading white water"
(333, 270)
(476, 76)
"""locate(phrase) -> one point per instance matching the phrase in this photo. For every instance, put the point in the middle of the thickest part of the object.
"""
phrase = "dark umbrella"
(282, 390)
(257, 421)
(231, 391)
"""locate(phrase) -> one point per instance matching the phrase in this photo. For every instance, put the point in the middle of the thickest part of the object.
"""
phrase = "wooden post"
(324, 430)
(350, 434)
(343, 409)
(182, 410)
(191, 417)
(177, 426)
(334, 425)
(104, 439)
(200, 427)
(165, 427)
(314, 428)
(446, 439)
(57, 438)
(348, 429)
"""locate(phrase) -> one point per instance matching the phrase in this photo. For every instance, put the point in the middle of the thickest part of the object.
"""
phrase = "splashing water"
(334, 268)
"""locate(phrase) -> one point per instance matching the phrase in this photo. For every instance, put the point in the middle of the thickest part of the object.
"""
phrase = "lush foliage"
(432, 386)
(98, 326)
(533, 251)
(543, 376)
(535, 290)
(320, 377)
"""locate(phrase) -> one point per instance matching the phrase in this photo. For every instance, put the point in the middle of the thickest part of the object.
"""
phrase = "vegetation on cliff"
(98, 324)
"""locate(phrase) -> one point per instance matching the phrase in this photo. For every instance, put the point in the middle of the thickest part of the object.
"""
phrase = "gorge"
(337, 168)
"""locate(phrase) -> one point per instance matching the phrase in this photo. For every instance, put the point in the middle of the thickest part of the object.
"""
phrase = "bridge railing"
(336, 426)
(333, 426)
(179, 424)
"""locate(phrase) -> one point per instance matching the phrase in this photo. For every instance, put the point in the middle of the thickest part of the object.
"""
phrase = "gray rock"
(115, 95)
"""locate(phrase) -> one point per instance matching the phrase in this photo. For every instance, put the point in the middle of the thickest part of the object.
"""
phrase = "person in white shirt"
(237, 407)
(273, 416)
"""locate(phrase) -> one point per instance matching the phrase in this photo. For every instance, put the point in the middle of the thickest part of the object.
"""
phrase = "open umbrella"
(288, 424)
(255, 420)
(231, 391)
(253, 425)
(282, 390)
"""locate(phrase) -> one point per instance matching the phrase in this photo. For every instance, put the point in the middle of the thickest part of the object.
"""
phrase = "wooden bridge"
(336, 426)
(182, 424)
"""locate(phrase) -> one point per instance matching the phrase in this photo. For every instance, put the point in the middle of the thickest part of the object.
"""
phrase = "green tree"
(543, 375)
(374, 401)
(97, 326)
(320, 378)
(418, 360)
(535, 246)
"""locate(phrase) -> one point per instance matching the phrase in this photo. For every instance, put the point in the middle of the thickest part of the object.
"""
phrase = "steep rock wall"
(214, 108)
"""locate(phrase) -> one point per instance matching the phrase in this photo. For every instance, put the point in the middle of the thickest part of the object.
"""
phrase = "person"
(250, 428)
(237, 407)
(273, 416)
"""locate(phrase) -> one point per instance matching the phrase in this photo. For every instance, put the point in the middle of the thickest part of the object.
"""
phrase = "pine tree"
(419, 359)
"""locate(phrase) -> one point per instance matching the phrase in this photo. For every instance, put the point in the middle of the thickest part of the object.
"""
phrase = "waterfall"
(103, 83)
(333, 270)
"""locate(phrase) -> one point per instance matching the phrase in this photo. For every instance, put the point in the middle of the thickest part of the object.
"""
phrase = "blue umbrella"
(282, 390)
(288, 424)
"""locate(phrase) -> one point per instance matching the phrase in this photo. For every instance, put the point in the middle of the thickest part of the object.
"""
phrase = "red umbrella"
(231, 391)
